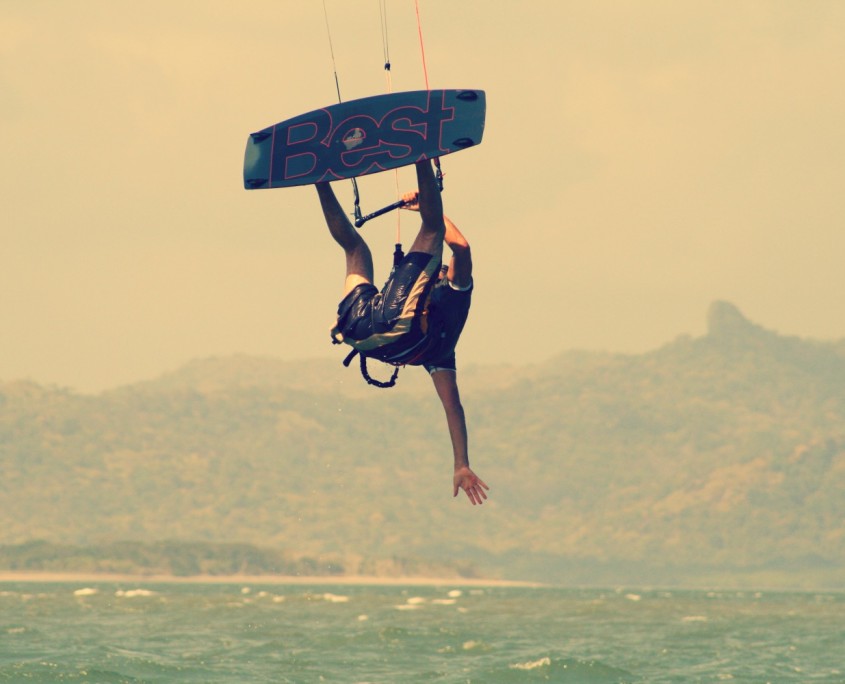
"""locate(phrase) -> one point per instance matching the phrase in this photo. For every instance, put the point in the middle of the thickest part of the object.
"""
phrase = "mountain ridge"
(721, 456)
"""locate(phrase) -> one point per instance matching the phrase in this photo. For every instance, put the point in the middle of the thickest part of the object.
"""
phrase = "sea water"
(136, 632)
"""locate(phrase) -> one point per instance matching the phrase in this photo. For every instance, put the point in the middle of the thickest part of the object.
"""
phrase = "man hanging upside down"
(420, 313)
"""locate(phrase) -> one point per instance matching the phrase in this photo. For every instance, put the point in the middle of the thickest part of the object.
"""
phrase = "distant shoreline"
(350, 580)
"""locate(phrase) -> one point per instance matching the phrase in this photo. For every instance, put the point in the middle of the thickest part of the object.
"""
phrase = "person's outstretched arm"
(445, 382)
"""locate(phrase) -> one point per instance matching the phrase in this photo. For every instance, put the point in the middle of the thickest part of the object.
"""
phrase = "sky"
(640, 161)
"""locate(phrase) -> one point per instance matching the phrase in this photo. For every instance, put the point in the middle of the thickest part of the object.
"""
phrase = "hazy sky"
(641, 159)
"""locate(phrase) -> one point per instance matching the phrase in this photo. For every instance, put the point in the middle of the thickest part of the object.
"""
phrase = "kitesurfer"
(418, 316)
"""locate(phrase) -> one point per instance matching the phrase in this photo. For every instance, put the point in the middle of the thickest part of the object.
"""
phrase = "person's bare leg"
(359, 259)
(433, 228)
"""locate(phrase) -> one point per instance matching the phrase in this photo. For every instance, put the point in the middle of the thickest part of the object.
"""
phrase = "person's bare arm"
(445, 382)
(460, 265)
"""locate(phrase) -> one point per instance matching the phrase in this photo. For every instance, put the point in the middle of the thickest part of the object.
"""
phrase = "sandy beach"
(74, 578)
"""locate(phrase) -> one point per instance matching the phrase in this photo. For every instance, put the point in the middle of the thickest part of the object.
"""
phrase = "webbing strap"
(377, 383)
(366, 375)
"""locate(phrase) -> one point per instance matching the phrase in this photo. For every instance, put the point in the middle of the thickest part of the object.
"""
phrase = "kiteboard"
(364, 136)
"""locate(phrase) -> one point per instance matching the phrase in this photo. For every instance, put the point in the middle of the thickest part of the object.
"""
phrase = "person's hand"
(472, 484)
(411, 200)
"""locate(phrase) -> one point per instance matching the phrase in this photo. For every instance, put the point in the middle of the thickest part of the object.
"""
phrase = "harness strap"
(370, 380)
(377, 383)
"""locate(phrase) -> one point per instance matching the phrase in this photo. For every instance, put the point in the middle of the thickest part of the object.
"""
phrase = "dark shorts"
(389, 320)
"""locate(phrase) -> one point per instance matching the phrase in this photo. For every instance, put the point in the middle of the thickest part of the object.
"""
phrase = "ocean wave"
(568, 670)
(532, 665)
(87, 591)
(134, 593)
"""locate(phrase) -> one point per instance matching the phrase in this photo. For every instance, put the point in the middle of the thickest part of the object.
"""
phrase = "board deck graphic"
(364, 136)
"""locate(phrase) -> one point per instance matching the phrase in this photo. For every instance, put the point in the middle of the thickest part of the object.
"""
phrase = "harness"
(409, 356)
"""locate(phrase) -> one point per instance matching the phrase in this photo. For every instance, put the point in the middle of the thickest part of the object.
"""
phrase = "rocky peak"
(724, 320)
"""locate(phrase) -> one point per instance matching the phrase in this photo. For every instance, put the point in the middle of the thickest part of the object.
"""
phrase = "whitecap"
(533, 664)
(633, 597)
(134, 593)
(407, 606)
(455, 593)
(278, 599)
(416, 600)
(363, 618)
(334, 598)
(444, 602)
(694, 618)
(87, 591)
(473, 645)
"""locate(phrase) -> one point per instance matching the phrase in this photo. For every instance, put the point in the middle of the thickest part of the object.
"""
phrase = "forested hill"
(717, 459)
